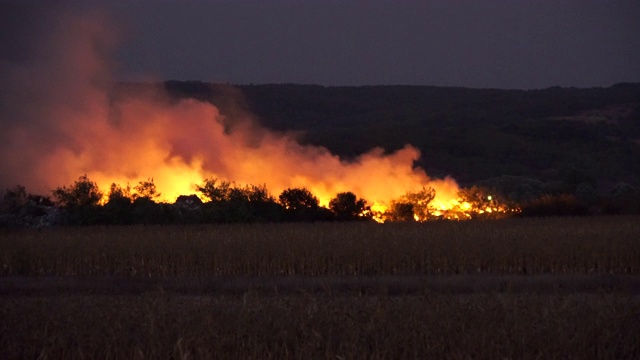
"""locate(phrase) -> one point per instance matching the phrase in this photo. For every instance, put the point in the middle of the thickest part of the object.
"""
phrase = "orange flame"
(72, 126)
(180, 145)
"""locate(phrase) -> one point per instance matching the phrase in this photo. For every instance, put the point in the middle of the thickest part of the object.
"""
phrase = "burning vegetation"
(77, 122)
(63, 115)
(84, 203)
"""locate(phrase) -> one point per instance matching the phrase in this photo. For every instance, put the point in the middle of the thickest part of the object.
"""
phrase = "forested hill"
(555, 135)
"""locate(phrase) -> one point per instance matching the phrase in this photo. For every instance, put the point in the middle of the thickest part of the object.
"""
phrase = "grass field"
(517, 288)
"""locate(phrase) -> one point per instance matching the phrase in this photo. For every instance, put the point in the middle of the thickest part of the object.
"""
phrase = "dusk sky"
(489, 43)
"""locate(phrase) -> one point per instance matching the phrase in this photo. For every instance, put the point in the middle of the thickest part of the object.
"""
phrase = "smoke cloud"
(54, 86)
(60, 120)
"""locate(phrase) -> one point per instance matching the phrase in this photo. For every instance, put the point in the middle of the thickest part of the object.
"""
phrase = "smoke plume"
(60, 120)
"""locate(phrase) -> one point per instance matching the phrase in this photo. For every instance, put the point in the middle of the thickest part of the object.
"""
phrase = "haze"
(489, 43)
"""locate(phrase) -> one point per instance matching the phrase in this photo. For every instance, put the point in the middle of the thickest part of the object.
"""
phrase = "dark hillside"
(557, 135)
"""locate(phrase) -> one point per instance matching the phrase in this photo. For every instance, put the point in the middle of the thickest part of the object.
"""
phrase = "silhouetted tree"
(420, 201)
(347, 206)
(249, 204)
(214, 191)
(484, 203)
(300, 205)
(400, 211)
(412, 206)
(476, 196)
(118, 194)
(262, 204)
(80, 202)
(146, 211)
(231, 203)
(298, 198)
(146, 189)
(83, 192)
(118, 208)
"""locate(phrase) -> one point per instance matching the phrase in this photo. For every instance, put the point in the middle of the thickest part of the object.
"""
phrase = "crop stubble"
(520, 288)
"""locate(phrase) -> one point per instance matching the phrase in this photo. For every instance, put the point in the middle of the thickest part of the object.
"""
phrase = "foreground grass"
(517, 246)
(159, 326)
(520, 288)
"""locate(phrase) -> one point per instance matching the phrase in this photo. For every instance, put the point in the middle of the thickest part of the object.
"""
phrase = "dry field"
(518, 288)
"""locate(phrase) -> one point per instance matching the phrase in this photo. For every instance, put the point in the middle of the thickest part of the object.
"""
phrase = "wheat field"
(513, 246)
(514, 288)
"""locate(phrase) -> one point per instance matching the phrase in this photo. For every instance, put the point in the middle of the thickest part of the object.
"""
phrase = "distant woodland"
(557, 136)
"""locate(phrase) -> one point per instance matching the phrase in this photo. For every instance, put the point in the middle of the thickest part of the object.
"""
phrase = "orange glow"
(179, 145)
(68, 123)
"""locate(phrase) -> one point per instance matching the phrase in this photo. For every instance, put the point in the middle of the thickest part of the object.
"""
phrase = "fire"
(74, 125)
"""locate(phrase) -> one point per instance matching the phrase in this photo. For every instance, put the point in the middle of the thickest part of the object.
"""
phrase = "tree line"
(84, 203)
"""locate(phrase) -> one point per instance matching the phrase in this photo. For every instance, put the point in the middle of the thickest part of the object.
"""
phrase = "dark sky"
(487, 43)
